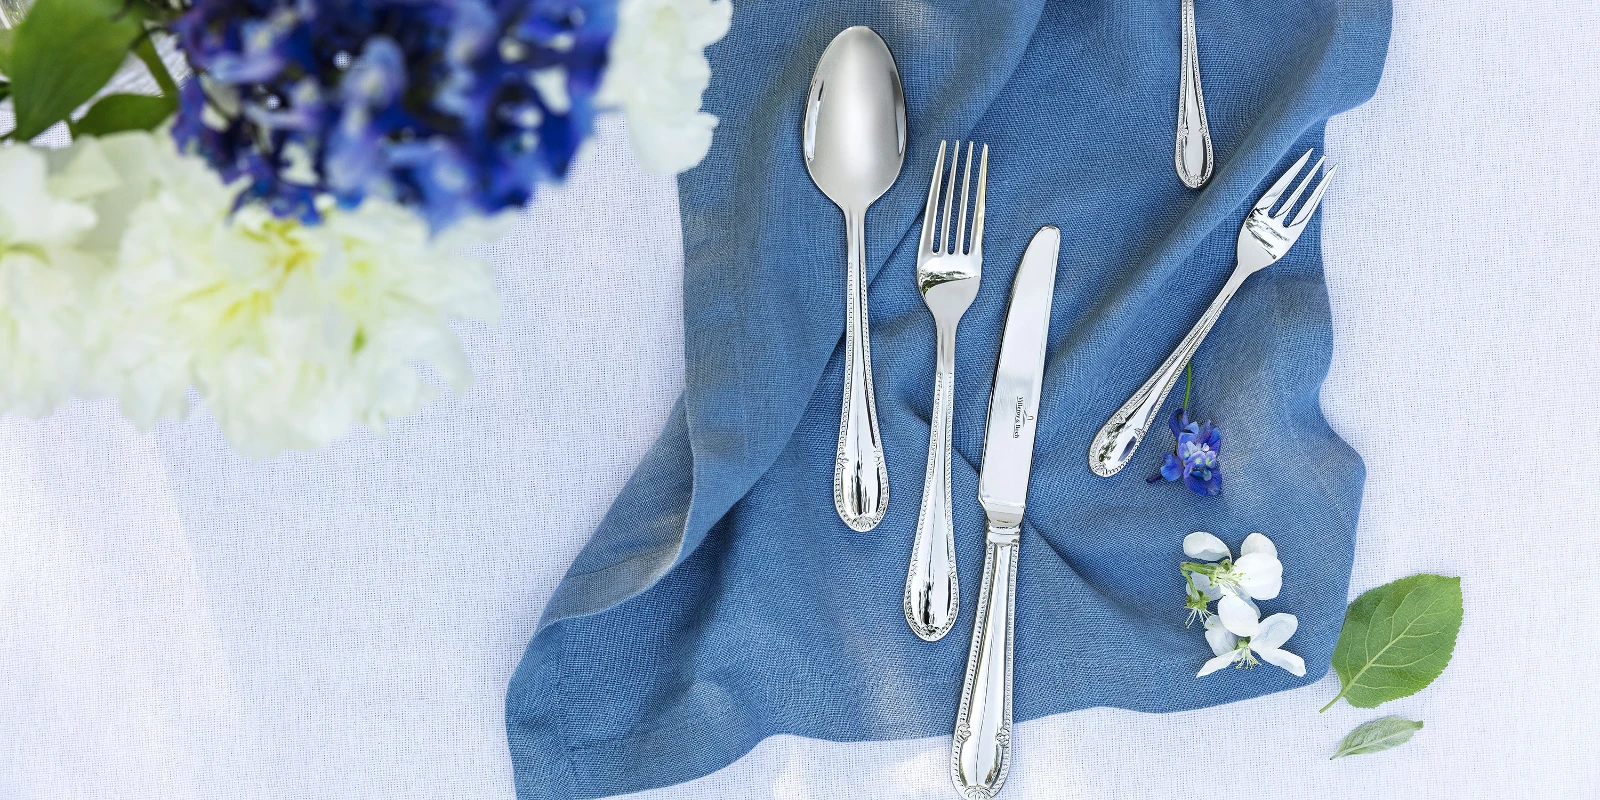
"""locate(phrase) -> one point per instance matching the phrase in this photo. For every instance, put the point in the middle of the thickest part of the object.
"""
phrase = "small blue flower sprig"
(453, 107)
(1194, 456)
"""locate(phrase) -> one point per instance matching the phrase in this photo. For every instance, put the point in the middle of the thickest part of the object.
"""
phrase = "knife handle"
(980, 754)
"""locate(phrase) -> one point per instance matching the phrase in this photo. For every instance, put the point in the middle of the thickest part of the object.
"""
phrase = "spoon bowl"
(855, 120)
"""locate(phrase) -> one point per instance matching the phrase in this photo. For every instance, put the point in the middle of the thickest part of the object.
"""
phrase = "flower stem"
(1188, 380)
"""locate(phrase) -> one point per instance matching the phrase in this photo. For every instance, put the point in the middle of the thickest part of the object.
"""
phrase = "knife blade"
(980, 753)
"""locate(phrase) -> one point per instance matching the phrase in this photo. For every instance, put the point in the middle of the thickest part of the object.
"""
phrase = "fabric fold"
(722, 601)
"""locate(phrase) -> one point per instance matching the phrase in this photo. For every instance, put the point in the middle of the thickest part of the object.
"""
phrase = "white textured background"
(177, 623)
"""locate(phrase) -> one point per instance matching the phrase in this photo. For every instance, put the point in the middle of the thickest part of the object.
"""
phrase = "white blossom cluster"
(126, 272)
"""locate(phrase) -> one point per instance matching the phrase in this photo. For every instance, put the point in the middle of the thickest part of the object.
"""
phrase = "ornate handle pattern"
(1114, 445)
(933, 595)
(980, 754)
(860, 475)
(1193, 157)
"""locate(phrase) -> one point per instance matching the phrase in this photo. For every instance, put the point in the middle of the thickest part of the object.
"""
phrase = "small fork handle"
(1114, 445)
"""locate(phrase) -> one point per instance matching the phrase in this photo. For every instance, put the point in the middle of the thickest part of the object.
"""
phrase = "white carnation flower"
(44, 273)
(656, 73)
(290, 332)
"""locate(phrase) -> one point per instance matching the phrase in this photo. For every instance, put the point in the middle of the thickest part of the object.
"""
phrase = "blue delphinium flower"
(1194, 459)
(453, 107)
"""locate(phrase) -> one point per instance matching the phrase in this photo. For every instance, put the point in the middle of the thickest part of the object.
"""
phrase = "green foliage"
(1377, 735)
(1396, 639)
(124, 112)
(7, 36)
(63, 52)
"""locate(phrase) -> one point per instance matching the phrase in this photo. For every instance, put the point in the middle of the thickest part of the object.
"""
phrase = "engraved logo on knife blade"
(1019, 417)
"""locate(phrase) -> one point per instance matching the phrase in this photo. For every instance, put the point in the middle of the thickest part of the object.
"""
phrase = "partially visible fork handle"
(1117, 440)
(980, 754)
(860, 475)
(932, 595)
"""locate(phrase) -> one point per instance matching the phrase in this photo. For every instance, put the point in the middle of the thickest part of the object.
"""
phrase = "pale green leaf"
(64, 52)
(1396, 639)
(124, 112)
(7, 35)
(1379, 734)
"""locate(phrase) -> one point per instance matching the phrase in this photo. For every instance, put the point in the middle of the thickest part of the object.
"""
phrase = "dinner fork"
(1264, 238)
(949, 268)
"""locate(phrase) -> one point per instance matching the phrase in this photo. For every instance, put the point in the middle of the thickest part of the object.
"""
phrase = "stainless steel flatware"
(1193, 157)
(1264, 238)
(854, 140)
(949, 267)
(981, 750)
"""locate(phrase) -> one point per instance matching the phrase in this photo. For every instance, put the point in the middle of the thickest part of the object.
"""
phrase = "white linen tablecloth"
(178, 622)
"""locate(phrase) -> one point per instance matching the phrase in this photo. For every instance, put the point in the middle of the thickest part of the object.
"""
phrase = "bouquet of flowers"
(281, 232)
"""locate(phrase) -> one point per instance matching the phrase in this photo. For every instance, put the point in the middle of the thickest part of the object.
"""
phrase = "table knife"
(981, 750)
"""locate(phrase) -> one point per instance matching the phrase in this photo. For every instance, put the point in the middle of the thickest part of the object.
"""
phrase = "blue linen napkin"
(722, 601)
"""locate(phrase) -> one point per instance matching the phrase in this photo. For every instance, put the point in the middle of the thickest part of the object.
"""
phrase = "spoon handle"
(932, 595)
(980, 753)
(1193, 158)
(860, 475)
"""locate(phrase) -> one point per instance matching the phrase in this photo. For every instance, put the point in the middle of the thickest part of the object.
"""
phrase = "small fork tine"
(966, 194)
(977, 210)
(1270, 199)
(1310, 208)
(930, 213)
(949, 194)
(1288, 205)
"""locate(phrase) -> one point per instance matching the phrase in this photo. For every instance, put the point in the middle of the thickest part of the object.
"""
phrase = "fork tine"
(930, 213)
(1316, 197)
(977, 209)
(1270, 199)
(949, 192)
(966, 193)
(1288, 205)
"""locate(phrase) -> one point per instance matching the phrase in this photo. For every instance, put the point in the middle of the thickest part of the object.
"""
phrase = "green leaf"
(6, 37)
(1397, 638)
(1377, 735)
(64, 52)
(124, 112)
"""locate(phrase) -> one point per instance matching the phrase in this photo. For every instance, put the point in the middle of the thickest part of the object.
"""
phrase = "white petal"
(1274, 631)
(1215, 664)
(1282, 658)
(1258, 543)
(1239, 615)
(1221, 639)
(1206, 587)
(1260, 575)
(1205, 547)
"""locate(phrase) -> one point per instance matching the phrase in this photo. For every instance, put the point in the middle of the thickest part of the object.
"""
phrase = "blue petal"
(1172, 468)
(1179, 421)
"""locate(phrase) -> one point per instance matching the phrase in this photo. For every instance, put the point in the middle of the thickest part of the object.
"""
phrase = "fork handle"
(980, 752)
(1117, 440)
(860, 475)
(933, 595)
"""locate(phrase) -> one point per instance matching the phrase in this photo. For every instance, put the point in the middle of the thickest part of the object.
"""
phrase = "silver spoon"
(1193, 156)
(854, 138)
